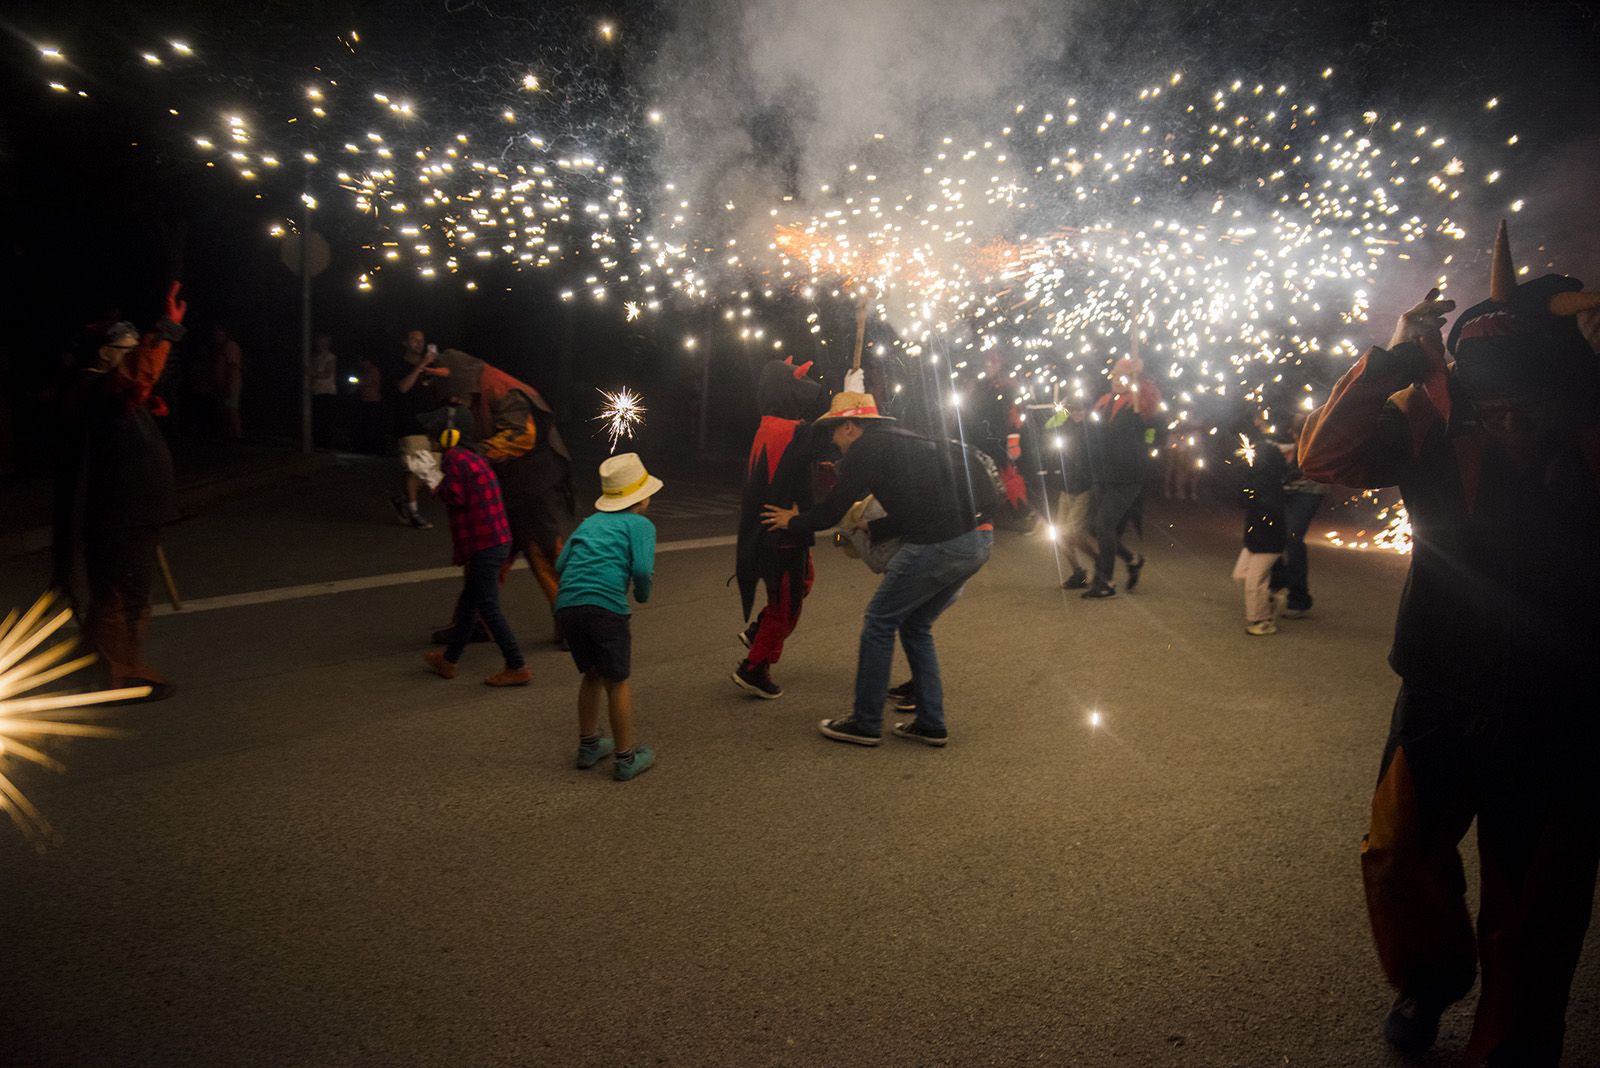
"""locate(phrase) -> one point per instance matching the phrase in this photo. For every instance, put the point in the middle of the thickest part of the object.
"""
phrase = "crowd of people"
(1496, 454)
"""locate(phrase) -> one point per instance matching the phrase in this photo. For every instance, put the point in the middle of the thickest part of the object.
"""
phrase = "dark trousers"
(1526, 771)
(1109, 508)
(1292, 571)
(117, 565)
(480, 599)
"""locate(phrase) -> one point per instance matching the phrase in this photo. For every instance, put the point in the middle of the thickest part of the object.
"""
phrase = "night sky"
(104, 198)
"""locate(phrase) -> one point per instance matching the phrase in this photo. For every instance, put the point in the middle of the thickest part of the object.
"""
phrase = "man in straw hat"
(1498, 459)
(610, 550)
(928, 489)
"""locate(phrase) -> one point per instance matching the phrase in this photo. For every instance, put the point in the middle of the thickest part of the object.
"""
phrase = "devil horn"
(1574, 303)
(1503, 273)
(789, 360)
(803, 369)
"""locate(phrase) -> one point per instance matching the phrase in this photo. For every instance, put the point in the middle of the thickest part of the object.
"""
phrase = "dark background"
(104, 199)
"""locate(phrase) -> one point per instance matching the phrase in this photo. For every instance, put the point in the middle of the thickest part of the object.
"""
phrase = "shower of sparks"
(1247, 450)
(620, 414)
(27, 664)
(1236, 233)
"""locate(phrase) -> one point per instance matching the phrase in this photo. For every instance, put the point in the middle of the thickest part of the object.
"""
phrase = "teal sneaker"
(643, 757)
(590, 755)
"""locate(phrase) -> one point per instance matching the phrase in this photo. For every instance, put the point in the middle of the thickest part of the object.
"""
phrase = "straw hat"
(853, 406)
(624, 483)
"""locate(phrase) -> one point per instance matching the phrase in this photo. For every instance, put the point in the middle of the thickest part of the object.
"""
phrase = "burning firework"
(620, 413)
(39, 716)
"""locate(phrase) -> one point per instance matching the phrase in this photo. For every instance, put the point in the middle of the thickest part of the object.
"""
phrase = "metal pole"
(305, 334)
(705, 392)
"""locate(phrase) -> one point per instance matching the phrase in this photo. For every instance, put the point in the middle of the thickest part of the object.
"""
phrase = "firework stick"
(166, 578)
(861, 331)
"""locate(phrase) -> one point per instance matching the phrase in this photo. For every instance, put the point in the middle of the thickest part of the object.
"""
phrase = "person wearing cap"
(611, 550)
(482, 539)
(1498, 460)
(115, 489)
(932, 493)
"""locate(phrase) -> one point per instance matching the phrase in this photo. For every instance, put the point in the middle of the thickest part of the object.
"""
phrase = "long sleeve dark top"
(926, 492)
(1500, 602)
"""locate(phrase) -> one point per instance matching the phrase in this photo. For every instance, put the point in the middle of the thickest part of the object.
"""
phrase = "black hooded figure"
(778, 472)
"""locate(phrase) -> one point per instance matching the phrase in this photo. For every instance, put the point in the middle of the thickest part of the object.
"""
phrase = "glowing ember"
(620, 414)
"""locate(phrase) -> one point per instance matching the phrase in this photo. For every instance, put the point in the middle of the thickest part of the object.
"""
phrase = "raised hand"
(175, 309)
(1423, 321)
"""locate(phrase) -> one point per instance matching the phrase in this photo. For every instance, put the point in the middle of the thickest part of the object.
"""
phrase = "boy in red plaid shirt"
(482, 538)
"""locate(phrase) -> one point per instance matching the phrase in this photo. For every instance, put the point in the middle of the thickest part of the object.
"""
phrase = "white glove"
(855, 381)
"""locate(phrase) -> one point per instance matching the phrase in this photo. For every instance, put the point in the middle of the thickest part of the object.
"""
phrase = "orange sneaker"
(510, 677)
(441, 667)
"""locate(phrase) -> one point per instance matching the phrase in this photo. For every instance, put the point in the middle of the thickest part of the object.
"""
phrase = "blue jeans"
(1299, 508)
(480, 597)
(921, 582)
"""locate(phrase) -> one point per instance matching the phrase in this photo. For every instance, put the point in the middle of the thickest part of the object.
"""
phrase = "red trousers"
(780, 616)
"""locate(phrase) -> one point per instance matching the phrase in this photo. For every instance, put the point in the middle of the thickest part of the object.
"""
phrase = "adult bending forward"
(929, 495)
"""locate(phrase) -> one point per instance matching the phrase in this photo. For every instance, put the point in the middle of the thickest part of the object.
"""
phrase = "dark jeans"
(1110, 505)
(1291, 571)
(480, 598)
(920, 583)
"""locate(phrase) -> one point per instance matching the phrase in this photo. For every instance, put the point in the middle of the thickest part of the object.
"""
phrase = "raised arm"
(1380, 412)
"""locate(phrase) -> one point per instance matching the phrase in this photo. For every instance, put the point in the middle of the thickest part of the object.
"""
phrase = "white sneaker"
(1261, 627)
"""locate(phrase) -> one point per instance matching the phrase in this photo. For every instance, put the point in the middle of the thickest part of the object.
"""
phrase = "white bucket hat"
(624, 483)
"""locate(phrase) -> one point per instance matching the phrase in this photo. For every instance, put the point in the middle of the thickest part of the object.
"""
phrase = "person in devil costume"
(115, 489)
(521, 439)
(779, 469)
(1498, 460)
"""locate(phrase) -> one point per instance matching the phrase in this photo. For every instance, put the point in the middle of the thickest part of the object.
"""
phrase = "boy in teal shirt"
(610, 549)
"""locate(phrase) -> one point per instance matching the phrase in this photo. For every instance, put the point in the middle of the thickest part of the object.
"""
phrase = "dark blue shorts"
(600, 640)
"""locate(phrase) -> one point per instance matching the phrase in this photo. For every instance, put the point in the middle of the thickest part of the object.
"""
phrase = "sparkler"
(621, 414)
(23, 671)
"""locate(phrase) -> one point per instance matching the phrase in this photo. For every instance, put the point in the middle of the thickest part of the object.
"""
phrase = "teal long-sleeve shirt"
(605, 553)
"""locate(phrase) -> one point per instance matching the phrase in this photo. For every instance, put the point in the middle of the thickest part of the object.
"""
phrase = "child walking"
(1265, 531)
(610, 549)
(482, 539)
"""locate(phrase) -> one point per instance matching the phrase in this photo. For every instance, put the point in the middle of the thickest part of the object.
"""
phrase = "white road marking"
(373, 582)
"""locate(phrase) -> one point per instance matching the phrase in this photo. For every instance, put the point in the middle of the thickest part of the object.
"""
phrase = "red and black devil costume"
(115, 488)
(1498, 459)
(778, 472)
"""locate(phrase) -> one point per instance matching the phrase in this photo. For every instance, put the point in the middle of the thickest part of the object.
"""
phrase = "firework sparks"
(1247, 450)
(23, 670)
(621, 414)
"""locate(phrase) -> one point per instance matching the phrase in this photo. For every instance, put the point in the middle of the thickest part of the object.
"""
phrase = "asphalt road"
(318, 854)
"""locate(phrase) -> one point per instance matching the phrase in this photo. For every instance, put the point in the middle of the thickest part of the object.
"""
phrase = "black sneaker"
(1413, 1023)
(903, 697)
(1135, 566)
(1077, 580)
(402, 511)
(748, 635)
(909, 729)
(845, 729)
(1099, 590)
(757, 679)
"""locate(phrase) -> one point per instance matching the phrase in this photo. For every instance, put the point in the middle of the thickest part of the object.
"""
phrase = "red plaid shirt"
(472, 494)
